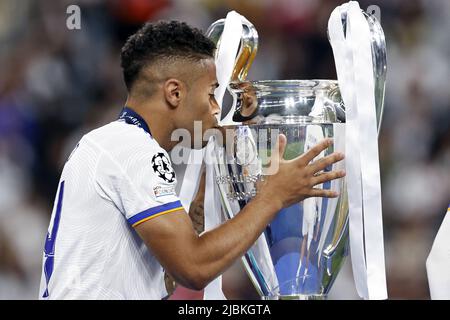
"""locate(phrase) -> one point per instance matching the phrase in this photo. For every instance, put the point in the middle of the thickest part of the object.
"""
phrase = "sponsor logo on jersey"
(164, 191)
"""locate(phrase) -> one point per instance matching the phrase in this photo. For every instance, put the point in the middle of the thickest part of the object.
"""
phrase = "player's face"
(202, 103)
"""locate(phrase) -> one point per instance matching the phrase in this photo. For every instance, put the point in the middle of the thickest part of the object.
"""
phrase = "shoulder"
(121, 140)
(132, 149)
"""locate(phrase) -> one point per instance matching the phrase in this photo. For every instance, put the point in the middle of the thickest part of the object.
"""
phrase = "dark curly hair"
(163, 39)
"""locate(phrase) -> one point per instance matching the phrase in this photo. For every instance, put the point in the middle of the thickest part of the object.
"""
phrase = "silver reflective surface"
(379, 60)
(247, 49)
(287, 101)
(302, 250)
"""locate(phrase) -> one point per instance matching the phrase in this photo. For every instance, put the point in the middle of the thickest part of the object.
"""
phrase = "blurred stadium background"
(56, 84)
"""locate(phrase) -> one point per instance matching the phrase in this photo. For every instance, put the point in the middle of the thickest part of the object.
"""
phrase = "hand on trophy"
(291, 181)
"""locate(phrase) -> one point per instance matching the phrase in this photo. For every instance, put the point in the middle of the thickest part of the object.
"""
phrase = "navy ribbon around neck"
(132, 117)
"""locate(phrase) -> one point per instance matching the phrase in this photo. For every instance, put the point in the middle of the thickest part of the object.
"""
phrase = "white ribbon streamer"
(438, 262)
(191, 178)
(344, 61)
(354, 68)
(213, 216)
(368, 142)
(227, 51)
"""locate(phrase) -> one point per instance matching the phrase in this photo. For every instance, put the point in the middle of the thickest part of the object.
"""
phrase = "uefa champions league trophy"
(301, 251)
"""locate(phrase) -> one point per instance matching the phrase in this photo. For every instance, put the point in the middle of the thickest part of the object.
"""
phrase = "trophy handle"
(379, 60)
(247, 48)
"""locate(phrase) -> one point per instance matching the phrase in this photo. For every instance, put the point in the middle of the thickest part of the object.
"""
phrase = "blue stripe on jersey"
(49, 248)
(152, 212)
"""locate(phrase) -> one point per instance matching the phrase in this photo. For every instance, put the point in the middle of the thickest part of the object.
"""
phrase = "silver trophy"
(301, 251)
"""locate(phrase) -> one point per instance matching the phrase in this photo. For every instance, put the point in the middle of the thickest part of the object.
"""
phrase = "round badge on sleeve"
(161, 166)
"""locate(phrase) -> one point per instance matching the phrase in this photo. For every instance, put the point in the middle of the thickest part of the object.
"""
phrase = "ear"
(174, 92)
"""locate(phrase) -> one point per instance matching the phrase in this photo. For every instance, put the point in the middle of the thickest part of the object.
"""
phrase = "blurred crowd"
(57, 84)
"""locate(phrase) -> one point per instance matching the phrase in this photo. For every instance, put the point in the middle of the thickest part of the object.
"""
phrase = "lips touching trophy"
(301, 251)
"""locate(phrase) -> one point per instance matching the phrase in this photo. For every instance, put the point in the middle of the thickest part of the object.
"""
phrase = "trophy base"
(296, 297)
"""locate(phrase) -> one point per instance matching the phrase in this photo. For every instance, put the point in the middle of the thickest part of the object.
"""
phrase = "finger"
(276, 156)
(323, 163)
(308, 156)
(323, 193)
(328, 176)
(281, 145)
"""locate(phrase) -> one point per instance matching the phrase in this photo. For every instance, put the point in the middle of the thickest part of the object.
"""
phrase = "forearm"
(217, 249)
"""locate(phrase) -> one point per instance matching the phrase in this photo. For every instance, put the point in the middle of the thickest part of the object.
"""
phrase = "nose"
(215, 109)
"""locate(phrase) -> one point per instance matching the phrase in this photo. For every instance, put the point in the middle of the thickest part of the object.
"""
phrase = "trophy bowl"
(301, 251)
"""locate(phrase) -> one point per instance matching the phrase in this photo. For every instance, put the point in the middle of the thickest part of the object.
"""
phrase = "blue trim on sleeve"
(153, 211)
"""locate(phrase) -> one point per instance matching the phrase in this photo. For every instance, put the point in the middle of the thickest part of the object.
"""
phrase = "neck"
(157, 119)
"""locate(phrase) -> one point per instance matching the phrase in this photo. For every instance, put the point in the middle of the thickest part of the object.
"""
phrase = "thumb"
(277, 155)
(281, 145)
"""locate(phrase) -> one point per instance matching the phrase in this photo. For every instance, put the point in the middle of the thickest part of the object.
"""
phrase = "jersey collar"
(132, 117)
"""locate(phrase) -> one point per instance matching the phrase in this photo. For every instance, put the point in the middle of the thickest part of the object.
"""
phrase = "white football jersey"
(116, 178)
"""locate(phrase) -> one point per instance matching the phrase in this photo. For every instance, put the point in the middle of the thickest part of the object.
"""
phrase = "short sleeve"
(141, 183)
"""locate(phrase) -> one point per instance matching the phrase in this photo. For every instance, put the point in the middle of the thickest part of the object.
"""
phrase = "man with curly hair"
(117, 223)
